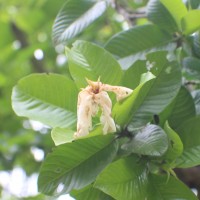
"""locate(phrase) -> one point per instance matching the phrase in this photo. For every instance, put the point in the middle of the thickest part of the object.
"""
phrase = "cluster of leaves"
(158, 123)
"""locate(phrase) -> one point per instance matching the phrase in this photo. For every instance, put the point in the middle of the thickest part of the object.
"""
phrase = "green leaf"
(48, 98)
(129, 179)
(162, 187)
(91, 61)
(137, 40)
(190, 22)
(160, 92)
(183, 108)
(176, 8)
(175, 148)
(196, 44)
(90, 193)
(124, 179)
(62, 135)
(158, 14)
(189, 134)
(196, 97)
(191, 69)
(150, 140)
(76, 165)
(75, 16)
(123, 111)
(132, 76)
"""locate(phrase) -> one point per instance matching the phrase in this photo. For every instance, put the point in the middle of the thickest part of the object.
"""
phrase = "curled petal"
(121, 92)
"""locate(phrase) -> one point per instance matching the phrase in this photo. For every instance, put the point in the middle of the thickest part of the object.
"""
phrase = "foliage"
(158, 124)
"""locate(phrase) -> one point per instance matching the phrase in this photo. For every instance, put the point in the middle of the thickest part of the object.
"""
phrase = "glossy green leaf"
(189, 134)
(158, 14)
(62, 135)
(191, 68)
(150, 140)
(160, 93)
(91, 61)
(176, 8)
(75, 16)
(124, 179)
(189, 158)
(90, 193)
(48, 98)
(190, 22)
(183, 108)
(196, 97)
(129, 179)
(196, 44)
(175, 148)
(162, 187)
(76, 165)
(136, 40)
(124, 110)
(132, 76)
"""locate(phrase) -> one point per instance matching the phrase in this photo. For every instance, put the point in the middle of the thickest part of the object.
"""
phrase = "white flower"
(93, 97)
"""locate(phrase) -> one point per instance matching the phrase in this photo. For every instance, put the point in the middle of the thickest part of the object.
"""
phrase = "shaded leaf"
(124, 179)
(162, 187)
(91, 61)
(75, 16)
(191, 68)
(190, 22)
(196, 97)
(90, 193)
(183, 108)
(76, 165)
(150, 140)
(137, 39)
(48, 98)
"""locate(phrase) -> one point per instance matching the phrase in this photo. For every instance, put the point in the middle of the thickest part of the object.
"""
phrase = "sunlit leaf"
(190, 22)
(48, 98)
(176, 8)
(75, 16)
(87, 60)
(175, 148)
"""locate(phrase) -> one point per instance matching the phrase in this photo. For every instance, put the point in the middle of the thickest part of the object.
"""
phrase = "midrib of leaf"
(84, 17)
(82, 162)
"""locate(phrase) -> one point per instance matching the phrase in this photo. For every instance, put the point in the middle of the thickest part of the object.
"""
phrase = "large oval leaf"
(75, 16)
(189, 134)
(129, 179)
(89, 60)
(161, 92)
(76, 165)
(183, 108)
(124, 179)
(159, 14)
(48, 98)
(191, 69)
(90, 193)
(177, 9)
(150, 140)
(190, 22)
(137, 39)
